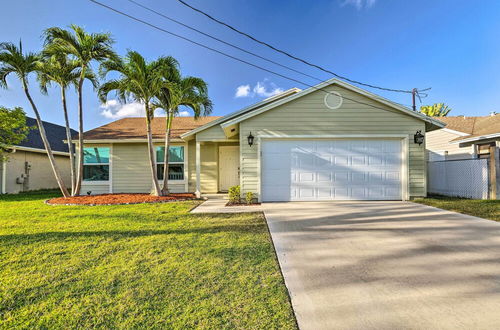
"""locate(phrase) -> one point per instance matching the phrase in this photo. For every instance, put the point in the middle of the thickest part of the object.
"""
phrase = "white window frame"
(100, 182)
(175, 163)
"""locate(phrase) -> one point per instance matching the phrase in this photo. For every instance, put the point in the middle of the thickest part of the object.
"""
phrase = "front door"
(229, 167)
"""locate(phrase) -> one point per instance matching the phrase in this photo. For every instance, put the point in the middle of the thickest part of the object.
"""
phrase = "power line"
(225, 54)
(239, 48)
(222, 41)
(290, 55)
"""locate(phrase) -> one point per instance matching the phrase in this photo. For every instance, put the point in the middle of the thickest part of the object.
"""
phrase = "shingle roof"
(135, 128)
(55, 134)
(474, 126)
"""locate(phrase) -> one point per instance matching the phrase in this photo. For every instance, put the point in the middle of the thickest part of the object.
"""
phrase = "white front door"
(229, 167)
(308, 170)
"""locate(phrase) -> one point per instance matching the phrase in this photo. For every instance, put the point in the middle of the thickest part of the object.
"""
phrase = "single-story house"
(28, 167)
(333, 141)
(464, 138)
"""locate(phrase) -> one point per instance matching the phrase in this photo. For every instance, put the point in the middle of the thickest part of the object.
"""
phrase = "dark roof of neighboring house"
(474, 126)
(135, 128)
(55, 134)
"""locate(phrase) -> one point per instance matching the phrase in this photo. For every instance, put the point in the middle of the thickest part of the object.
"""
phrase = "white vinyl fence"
(461, 178)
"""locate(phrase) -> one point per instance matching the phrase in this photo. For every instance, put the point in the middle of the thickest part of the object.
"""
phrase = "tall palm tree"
(64, 72)
(84, 48)
(138, 81)
(177, 92)
(14, 61)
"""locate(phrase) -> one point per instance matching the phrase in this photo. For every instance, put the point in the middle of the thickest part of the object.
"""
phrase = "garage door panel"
(331, 170)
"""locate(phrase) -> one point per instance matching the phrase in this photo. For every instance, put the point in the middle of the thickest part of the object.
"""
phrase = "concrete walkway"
(216, 203)
(387, 265)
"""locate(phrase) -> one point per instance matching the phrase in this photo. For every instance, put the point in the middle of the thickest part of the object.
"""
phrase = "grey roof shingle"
(55, 134)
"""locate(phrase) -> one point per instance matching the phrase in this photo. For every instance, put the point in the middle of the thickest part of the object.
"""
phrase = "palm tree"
(435, 110)
(84, 48)
(13, 60)
(64, 72)
(139, 81)
(188, 92)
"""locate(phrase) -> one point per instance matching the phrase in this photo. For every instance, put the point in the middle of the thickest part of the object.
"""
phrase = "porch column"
(198, 169)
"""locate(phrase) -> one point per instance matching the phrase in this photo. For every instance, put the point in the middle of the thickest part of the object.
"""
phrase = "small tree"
(177, 91)
(64, 72)
(84, 48)
(138, 81)
(14, 61)
(13, 129)
(435, 110)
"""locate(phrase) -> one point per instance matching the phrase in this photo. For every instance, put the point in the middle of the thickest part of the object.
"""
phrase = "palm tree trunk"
(70, 141)
(170, 117)
(79, 177)
(152, 157)
(46, 143)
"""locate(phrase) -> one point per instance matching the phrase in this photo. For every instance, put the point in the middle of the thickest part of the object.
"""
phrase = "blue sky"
(450, 45)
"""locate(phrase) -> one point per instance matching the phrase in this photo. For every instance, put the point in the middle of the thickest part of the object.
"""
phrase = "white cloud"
(113, 109)
(242, 91)
(359, 4)
(183, 113)
(261, 89)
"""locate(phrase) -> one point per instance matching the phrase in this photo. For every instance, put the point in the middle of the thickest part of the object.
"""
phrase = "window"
(175, 162)
(96, 164)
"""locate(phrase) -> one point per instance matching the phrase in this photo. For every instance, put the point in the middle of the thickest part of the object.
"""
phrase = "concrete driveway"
(387, 265)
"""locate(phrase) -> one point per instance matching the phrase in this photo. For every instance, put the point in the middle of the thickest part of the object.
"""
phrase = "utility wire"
(222, 41)
(239, 48)
(225, 54)
(290, 55)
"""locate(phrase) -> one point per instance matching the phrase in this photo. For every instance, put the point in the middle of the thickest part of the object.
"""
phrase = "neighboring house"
(299, 145)
(464, 138)
(28, 167)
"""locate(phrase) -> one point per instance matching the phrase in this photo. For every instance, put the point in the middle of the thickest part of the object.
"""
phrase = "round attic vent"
(333, 100)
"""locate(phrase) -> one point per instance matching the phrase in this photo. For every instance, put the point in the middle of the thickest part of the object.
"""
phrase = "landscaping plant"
(249, 197)
(234, 195)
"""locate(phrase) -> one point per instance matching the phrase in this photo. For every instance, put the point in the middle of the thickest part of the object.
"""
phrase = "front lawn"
(136, 266)
(488, 209)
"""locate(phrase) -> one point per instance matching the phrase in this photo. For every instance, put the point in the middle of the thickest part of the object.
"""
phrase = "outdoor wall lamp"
(418, 137)
(250, 139)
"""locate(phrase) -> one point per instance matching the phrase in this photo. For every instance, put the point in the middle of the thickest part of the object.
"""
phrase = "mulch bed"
(119, 199)
(242, 204)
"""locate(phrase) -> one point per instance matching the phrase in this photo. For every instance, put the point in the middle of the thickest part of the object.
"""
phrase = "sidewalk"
(216, 203)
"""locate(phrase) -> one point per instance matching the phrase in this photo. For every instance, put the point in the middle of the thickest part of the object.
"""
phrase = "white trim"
(198, 169)
(405, 157)
(477, 138)
(4, 177)
(332, 136)
(323, 85)
(239, 112)
(42, 151)
(452, 131)
(108, 141)
(111, 169)
(186, 166)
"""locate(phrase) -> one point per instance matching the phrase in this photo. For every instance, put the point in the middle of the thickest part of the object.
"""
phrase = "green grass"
(136, 266)
(488, 209)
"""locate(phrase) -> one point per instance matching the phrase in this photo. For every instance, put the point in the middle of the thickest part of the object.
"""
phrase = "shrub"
(234, 194)
(249, 197)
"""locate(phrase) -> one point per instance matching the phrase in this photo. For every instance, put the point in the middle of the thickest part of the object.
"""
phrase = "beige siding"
(211, 134)
(439, 141)
(309, 116)
(41, 175)
(131, 170)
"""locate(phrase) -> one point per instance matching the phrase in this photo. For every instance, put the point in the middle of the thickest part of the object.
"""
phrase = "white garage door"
(307, 170)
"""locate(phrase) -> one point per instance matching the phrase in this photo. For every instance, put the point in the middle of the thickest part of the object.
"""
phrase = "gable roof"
(264, 102)
(263, 106)
(135, 128)
(476, 128)
(56, 134)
